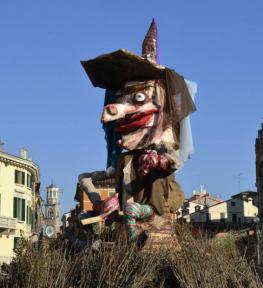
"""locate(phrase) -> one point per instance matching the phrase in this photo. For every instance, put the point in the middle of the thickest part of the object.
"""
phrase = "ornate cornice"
(15, 161)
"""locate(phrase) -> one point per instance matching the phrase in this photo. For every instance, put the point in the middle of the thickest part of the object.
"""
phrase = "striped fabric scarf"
(132, 212)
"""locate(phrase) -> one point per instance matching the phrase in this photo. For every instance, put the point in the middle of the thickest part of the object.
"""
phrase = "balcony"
(5, 259)
(7, 225)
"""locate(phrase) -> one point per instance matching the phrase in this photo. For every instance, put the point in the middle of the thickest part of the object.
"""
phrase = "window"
(197, 208)
(233, 204)
(33, 219)
(234, 217)
(222, 217)
(186, 204)
(185, 211)
(50, 213)
(19, 209)
(19, 177)
(28, 215)
(30, 219)
(207, 217)
(16, 242)
(29, 182)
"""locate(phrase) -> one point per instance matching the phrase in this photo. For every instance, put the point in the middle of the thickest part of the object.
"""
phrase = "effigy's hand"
(163, 162)
(147, 161)
(150, 160)
(110, 205)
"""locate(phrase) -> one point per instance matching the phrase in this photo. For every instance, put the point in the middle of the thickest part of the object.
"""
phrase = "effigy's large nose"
(110, 113)
(112, 110)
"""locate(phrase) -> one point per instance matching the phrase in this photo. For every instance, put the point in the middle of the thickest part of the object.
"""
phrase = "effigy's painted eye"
(140, 97)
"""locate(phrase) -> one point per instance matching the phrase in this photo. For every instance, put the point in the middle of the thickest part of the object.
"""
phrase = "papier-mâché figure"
(148, 134)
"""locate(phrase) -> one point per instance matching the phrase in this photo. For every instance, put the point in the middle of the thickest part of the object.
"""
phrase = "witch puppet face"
(149, 101)
(138, 114)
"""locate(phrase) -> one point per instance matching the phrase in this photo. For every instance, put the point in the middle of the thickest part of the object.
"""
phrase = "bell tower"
(52, 211)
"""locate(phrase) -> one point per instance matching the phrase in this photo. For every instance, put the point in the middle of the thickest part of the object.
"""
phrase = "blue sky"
(49, 106)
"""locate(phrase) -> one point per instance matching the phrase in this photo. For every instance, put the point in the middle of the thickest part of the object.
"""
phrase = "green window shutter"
(32, 219)
(19, 208)
(23, 178)
(15, 208)
(27, 214)
(23, 209)
(16, 176)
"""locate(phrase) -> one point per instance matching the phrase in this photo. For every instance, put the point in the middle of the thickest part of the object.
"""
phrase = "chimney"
(1, 146)
(23, 153)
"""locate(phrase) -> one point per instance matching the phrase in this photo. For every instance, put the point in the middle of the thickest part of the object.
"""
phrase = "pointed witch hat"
(111, 71)
(149, 45)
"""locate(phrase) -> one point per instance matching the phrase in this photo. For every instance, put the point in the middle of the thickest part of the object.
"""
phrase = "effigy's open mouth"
(134, 121)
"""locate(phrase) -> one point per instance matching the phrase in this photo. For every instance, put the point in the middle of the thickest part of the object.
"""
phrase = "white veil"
(186, 139)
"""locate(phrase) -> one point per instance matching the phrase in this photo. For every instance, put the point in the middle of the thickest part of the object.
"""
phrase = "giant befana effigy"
(148, 135)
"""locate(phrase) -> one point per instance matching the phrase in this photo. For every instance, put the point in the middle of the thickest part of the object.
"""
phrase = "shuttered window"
(29, 216)
(32, 219)
(19, 177)
(16, 242)
(29, 182)
(19, 209)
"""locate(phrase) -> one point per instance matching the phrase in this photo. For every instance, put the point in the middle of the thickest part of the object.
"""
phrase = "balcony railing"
(7, 224)
(5, 259)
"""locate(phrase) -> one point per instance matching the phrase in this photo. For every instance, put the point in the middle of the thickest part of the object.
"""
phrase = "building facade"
(188, 207)
(203, 197)
(20, 201)
(241, 208)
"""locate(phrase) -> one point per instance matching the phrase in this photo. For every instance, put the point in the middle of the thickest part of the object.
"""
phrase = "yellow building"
(20, 201)
(188, 207)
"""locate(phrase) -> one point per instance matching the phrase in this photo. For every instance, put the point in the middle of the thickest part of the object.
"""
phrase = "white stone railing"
(8, 222)
(28, 229)
(5, 259)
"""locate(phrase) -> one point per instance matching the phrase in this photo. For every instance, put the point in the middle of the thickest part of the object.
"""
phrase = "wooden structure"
(106, 188)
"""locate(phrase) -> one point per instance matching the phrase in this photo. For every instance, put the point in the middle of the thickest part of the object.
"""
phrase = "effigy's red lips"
(134, 121)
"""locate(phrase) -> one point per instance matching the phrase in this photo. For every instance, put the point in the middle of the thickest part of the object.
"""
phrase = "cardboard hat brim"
(111, 71)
